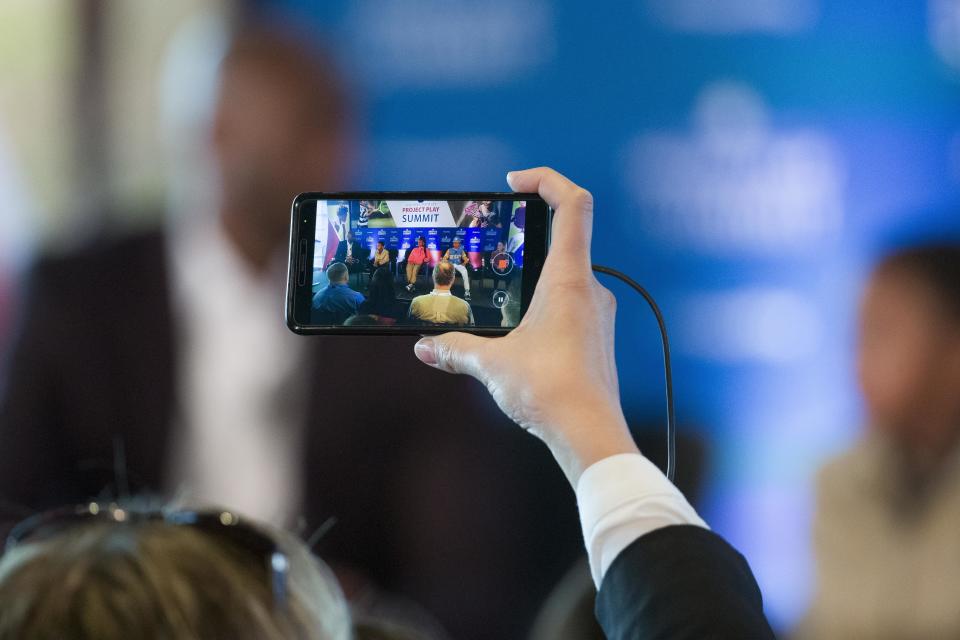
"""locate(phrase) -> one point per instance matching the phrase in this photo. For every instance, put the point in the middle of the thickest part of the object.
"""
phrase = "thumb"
(453, 353)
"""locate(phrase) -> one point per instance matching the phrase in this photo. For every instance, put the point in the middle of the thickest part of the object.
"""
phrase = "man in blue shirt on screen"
(337, 301)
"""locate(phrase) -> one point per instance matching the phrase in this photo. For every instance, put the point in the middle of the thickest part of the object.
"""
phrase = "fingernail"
(510, 175)
(426, 352)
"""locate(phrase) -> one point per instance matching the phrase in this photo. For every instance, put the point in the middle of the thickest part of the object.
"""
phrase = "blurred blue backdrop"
(747, 159)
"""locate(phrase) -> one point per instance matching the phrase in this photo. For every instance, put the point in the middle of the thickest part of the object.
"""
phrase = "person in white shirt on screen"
(456, 256)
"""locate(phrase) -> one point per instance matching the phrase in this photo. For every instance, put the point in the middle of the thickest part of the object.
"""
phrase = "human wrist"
(584, 435)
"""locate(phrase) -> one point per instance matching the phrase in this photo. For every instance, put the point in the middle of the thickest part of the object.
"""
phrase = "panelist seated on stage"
(440, 306)
(418, 257)
(381, 257)
(337, 301)
(457, 257)
(351, 253)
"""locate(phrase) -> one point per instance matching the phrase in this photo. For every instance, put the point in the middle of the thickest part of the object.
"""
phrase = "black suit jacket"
(357, 252)
(470, 518)
(681, 582)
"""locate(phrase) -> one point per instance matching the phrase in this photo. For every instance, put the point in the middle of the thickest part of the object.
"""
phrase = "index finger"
(573, 207)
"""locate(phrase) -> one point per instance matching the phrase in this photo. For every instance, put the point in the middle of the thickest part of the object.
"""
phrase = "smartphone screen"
(414, 263)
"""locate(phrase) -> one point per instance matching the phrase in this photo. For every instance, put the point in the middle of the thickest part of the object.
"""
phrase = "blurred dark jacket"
(357, 252)
(470, 518)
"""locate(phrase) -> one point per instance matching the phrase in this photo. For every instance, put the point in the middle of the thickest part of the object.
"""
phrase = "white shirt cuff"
(622, 498)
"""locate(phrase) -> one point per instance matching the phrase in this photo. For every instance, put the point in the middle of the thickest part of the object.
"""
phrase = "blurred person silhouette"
(440, 306)
(168, 345)
(381, 299)
(888, 510)
(337, 300)
(160, 338)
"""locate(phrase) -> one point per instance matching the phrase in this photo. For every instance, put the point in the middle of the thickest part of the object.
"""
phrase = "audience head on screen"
(361, 320)
(338, 273)
(443, 275)
(909, 355)
(154, 580)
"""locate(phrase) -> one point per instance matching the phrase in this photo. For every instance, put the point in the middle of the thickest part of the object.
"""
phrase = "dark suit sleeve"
(30, 409)
(341, 253)
(681, 582)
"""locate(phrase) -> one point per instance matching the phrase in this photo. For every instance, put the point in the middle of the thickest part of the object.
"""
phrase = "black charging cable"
(667, 371)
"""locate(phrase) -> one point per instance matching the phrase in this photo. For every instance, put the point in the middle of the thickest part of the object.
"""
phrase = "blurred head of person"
(443, 275)
(337, 273)
(361, 320)
(154, 580)
(909, 352)
(280, 127)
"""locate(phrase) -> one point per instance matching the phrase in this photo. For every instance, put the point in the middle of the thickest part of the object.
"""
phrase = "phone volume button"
(302, 263)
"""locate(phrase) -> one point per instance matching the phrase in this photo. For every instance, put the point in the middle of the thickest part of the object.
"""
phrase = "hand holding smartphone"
(414, 262)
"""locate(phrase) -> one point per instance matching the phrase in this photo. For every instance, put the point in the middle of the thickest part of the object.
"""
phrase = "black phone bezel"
(299, 295)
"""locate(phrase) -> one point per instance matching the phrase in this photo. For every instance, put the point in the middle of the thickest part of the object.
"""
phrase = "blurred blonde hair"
(154, 580)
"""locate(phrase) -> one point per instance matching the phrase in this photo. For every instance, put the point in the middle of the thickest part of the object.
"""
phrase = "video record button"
(501, 263)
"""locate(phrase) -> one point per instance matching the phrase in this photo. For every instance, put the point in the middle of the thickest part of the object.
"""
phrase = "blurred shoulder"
(858, 466)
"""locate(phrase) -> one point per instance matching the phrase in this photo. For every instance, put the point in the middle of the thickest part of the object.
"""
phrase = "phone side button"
(302, 263)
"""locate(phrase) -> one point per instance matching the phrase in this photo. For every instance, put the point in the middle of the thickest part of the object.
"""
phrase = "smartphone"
(414, 262)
